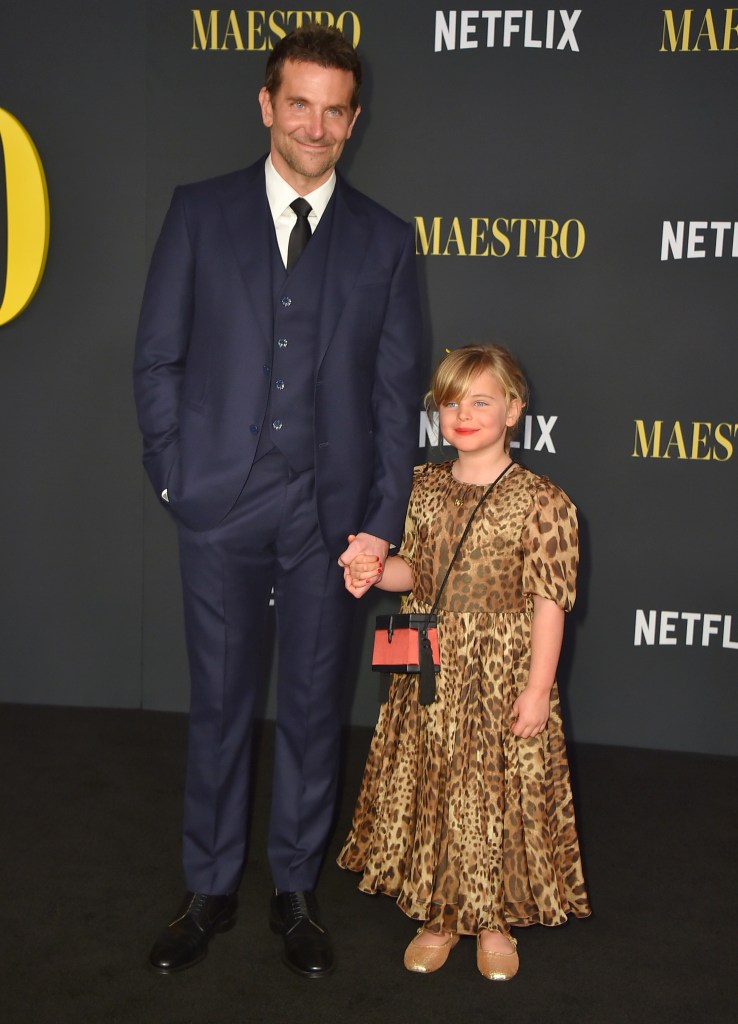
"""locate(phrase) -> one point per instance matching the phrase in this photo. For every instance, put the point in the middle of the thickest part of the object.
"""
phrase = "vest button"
(254, 429)
(286, 301)
(277, 424)
(282, 342)
(279, 385)
(266, 370)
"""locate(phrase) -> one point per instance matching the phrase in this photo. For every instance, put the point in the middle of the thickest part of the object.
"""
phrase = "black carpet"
(89, 856)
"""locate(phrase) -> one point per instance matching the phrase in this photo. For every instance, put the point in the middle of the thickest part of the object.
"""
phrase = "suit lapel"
(249, 225)
(350, 232)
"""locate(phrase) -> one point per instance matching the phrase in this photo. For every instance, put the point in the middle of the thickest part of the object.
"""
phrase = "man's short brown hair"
(314, 44)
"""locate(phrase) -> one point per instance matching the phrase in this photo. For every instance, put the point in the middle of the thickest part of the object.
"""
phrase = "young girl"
(465, 811)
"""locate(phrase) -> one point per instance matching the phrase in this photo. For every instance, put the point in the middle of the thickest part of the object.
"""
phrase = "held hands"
(363, 562)
(530, 713)
(361, 574)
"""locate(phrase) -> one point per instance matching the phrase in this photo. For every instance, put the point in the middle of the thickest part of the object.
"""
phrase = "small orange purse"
(397, 640)
(408, 642)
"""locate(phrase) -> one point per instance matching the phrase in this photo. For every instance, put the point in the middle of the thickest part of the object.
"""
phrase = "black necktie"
(300, 234)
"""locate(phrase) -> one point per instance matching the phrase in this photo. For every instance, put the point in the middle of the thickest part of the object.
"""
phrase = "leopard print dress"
(467, 826)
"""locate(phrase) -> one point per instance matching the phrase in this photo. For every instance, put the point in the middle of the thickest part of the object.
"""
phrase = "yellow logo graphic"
(517, 236)
(714, 32)
(28, 217)
(697, 441)
(260, 30)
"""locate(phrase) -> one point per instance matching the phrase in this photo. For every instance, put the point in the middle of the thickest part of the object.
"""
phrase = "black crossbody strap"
(466, 530)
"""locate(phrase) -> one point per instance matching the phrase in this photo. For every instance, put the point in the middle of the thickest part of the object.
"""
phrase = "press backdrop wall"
(572, 177)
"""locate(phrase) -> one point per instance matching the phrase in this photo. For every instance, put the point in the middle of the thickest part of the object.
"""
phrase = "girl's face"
(478, 421)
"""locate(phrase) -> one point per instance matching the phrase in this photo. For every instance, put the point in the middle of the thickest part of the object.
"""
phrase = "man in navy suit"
(276, 380)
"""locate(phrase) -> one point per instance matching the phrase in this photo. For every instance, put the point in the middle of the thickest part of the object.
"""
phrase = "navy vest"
(289, 422)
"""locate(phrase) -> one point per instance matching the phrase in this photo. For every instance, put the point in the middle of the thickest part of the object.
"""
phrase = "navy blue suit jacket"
(205, 334)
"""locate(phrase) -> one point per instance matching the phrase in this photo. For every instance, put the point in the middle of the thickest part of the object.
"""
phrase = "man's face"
(310, 118)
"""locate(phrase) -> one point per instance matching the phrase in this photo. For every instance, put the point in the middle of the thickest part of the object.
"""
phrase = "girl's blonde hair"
(458, 368)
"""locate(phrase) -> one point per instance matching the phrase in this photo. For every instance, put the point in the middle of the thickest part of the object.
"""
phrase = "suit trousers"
(271, 538)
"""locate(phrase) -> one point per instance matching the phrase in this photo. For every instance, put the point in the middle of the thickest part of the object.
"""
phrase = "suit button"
(282, 342)
(266, 370)
(286, 301)
(254, 429)
(277, 424)
(279, 385)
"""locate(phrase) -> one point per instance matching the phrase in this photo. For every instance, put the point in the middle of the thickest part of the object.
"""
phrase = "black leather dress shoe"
(307, 945)
(185, 940)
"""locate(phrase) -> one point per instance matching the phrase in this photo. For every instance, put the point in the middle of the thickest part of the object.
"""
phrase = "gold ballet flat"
(498, 966)
(424, 959)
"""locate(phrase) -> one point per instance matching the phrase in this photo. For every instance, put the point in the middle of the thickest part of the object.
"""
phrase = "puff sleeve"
(551, 546)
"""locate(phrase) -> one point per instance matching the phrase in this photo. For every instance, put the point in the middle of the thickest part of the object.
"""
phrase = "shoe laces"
(193, 907)
(303, 905)
(196, 903)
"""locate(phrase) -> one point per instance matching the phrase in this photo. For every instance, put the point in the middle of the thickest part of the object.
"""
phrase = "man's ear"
(353, 122)
(265, 102)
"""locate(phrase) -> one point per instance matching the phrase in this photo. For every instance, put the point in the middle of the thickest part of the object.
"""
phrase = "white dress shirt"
(280, 195)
